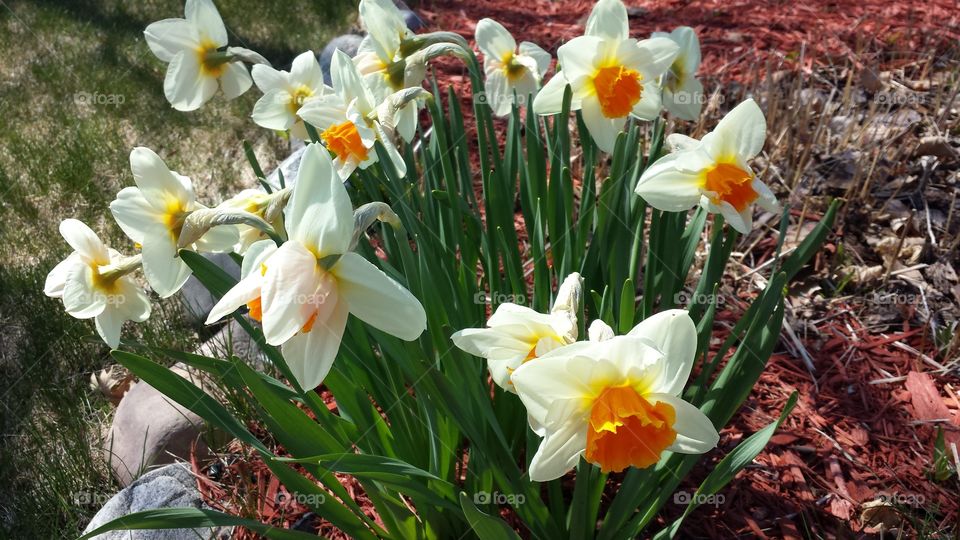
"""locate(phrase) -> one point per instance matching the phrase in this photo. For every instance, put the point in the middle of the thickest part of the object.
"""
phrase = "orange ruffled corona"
(626, 429)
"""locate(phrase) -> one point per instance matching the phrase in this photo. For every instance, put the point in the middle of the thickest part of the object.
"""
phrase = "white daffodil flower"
(303, 290)
(197, 64)
(511, 74)
(612, 76)
(379, 58)
(615, 402)
(517, 334)
(348, 120)
(152, 214)
(94, 281)
(285, 92)
(714, 171)
(682, 91)
(266, 206)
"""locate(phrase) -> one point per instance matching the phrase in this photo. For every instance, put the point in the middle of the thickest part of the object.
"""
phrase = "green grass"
(61, 157)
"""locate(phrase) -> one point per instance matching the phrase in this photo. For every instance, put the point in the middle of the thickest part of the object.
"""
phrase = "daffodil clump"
(476, 346)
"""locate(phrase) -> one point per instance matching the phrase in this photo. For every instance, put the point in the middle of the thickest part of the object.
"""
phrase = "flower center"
(514, 70)
(298, 97)
(106, 283)
(625, 429)
(344, 141)
(256, 309)
(731, 184)
(618, 90)
(212, 64)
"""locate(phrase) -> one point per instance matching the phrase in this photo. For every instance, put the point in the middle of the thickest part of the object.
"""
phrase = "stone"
(172, 486)
(150, 429)
(348, 43)
(233, 339)
(289, 168)
(197, 300)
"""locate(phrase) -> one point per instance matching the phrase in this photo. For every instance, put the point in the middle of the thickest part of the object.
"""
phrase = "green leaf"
(486, 526)
(192, 518)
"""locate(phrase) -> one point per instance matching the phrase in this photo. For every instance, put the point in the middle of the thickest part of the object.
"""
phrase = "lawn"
(78, 90)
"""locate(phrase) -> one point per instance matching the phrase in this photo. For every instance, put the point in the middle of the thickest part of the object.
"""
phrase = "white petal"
(695, 432)
(603, 130)
(679, 142)
(310, 356)
(80, 298)
(57, 278)
(133, 213)
(673, 183)
(740, 134)
(657, 55)
(540, 56)
(241, 294)
(490, 343)
(324, 111)
(578, 58)
(406, 119)
(689, 55)
(562, 374)
(290, 294)
(549, 99)
(256, 255)
(165, 271)
(306, 70)
(685, 102)
(320, 214)
(386, 26)
(268, 78)
(559, 452)
(184, 85)
(272, 111)
(608, 20)
(765, 198)
(494, 40)
(160, 186)
(84, 241)
(650, 103)
(599, 331)
(108, 324)
(205, 17)
(349, 84)
(168, 37)
(742, 222)
(132, 303)
(378, 300)
(673, 333)
(235, 80)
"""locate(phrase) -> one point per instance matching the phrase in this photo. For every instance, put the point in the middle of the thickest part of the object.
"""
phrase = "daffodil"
(682, 91)
(615, 402)
(285, 92)
(303, 290)
(611, 75)
(511, 74)
(194, 47)
(94, 282)
(516, 334)
(380, 60)
(349, 120)
(713, 172)
(153, 214)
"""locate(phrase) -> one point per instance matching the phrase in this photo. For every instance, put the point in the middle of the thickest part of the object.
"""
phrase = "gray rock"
(233, 339)
(348, 43)
(197, 301)
(172, 486)
(150, 429)
(289, 167)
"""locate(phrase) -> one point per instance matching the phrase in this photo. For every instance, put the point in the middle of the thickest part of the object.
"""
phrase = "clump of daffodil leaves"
(475, 364)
